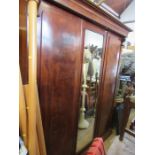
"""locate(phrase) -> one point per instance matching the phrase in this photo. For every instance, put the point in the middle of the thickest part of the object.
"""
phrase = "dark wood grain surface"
(61, 24)
(23, 53)
(60, 78)
(108, 83)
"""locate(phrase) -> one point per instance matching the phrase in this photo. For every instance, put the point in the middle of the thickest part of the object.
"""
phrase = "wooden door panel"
(108, 83)
(59, 79)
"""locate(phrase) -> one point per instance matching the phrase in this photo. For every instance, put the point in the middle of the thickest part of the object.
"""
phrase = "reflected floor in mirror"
(85, 135)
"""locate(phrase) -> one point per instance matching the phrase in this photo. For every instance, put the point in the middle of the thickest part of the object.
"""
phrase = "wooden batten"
(22, 111)
(40, 132)
(31, 98)
(36, 143)
(37, 140)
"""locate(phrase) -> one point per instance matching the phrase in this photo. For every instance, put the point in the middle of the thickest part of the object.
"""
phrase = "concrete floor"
(113, 138)
(125, 147)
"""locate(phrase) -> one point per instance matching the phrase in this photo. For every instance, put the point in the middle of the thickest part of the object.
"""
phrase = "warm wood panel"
(23, 55)
(22, 13)
(22, 7)
(60, 78)
(108, 84)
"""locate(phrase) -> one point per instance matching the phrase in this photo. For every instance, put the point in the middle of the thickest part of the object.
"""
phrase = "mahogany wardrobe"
(66, 28)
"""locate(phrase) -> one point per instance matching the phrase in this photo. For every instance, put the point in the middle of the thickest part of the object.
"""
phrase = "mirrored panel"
(92, 58)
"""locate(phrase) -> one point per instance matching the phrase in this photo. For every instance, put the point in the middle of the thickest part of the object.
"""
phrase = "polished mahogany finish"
(106, 97)
(60, 67)
(22, 13)
(61, 26)
(93, 14)
(23, 53)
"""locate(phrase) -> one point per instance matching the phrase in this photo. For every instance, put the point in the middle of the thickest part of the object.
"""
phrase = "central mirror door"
(92, 62)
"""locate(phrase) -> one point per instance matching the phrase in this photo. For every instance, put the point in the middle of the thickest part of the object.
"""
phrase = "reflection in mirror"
(93, 50)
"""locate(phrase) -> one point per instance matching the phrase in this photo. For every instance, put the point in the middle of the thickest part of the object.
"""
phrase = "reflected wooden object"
(92, 51)
(83, 123)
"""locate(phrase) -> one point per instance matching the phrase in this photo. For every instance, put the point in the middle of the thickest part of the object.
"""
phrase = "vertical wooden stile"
(36, 143)
(22, 111)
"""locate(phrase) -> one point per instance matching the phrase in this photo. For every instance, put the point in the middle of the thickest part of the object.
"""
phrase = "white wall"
(131, 35)
(129, 15)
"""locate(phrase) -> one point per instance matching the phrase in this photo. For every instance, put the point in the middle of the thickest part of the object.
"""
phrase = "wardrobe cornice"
(93, 14)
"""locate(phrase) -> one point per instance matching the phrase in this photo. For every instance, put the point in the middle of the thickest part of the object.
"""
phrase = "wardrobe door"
(59, 78)
(108, 84)
(94, 39)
